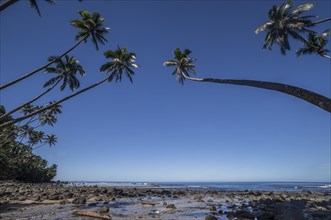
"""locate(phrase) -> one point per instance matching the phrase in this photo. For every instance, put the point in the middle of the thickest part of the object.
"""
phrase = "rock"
(54, 197)
(291, 210)
(265, 216)
(211, 217)
(103, 209)
(243, 214)
(171, 206)
(164, 203)
(64, 201)
(79, 201)
(213, 209)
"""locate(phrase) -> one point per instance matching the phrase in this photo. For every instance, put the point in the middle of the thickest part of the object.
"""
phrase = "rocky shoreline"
(61, 201)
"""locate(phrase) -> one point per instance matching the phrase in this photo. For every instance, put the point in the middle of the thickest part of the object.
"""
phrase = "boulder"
(79, 201)
(171, 206)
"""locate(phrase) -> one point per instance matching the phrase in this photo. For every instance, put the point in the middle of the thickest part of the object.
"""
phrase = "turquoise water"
(241, 186)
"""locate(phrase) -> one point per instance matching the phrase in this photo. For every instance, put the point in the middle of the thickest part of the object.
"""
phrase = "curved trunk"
(321, 21)
(51, 105)
(6, 4)
(29, 102)
(309, 96)
(40, 68)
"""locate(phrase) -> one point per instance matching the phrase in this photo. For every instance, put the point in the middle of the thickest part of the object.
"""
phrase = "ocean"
(228, 186)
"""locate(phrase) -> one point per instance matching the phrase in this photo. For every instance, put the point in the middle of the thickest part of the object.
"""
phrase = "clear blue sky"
(157, 130)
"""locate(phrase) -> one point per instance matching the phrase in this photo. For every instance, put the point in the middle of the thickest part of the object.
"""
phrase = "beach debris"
(91, 214)
(149, 203)
(171, 206)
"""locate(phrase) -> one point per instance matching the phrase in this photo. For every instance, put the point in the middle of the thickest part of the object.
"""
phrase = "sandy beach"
(61, 201)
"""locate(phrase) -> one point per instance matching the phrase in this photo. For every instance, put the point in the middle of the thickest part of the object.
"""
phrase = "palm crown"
(315, 45)
(91, 25)
(66, 70)
(283, 24)
(183, 64)
(121, 61)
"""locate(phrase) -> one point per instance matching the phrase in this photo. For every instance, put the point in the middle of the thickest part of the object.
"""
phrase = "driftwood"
(91, 214)
(150, 203)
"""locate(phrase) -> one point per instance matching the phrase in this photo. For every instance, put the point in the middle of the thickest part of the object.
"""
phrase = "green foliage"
(121, 61)
(17, 160)
(91, 25)
(284, 24)
(184, 64)
(315, 45)
(66, 70)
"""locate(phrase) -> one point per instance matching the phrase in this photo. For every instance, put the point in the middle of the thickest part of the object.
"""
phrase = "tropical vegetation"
(20, 127)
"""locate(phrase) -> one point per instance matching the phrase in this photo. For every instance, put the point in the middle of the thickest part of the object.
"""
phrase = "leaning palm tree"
(184, 65)
(316, 45)
(66, 70)
(89, 26)
(121, 62)
(47, 140)
(284, 24)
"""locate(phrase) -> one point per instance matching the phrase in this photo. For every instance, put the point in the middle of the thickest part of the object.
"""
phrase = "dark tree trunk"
(51, 105)
(321, 21)
(309, 96)
(40, 68)
(29, 102)
(6, 4)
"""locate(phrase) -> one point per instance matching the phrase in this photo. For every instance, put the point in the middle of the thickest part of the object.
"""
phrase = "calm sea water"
(266, 186)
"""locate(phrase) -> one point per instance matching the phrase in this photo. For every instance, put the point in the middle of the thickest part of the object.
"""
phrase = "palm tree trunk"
(40, 68)
(32, 100)
(309, 96)
(321, 21)
(51, 105)
(6, 4)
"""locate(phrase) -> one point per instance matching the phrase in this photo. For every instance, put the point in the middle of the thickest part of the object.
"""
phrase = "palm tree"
(316, 45)
(184, 64)
(33, 4)
(47, 140)
(121, 61)
(66, 71)
(283, 24)
(90, 25)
